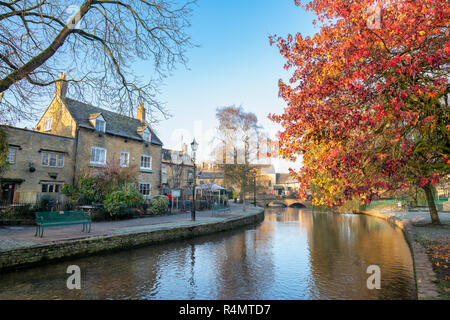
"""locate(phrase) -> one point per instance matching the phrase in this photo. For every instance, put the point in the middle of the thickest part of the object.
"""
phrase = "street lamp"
(194, 146)
(254, 188)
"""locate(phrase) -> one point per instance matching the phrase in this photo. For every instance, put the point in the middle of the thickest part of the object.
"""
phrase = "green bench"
(61, 218)
(219, 208)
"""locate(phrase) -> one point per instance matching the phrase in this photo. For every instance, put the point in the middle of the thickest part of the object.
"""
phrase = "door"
(7, 193)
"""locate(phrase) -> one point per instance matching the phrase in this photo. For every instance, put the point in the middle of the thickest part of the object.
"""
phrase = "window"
(100, 124)
(124, 159)
(163, 175)
(51, 187)
(145, 189)
(12, 155)
(146, 162)
(48, 124)
(52, 160)
(98, 156)
(45, 159)
(146, 135)
(60, 161)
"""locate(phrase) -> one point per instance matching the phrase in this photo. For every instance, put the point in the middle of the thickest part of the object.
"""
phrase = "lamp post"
(254, 188)
(194, 146)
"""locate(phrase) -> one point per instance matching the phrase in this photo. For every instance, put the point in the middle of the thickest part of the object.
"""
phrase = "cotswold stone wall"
(14, 259)
(29, 146)
(114, 145)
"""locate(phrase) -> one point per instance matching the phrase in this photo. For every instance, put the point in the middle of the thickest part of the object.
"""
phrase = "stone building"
(90, 138)
(177, 169)
(286, 185)
(39, 164)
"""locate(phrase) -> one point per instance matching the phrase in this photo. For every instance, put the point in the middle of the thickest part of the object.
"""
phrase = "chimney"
(184, 148)
(141, 112)
(61, 86)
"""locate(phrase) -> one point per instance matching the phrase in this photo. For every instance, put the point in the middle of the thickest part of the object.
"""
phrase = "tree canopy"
(96, 42)
(367, 103)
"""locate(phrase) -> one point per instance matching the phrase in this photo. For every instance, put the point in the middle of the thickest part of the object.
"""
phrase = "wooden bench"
(219, 208)
(61, 218)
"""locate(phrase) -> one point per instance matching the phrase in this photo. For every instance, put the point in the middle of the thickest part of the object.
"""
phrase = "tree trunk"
(243, 200)
(432, 207)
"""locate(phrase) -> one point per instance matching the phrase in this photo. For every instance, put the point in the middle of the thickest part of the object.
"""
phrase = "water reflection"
(293, 254)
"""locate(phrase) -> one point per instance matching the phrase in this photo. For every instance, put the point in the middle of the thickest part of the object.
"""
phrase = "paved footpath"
(417, 225)
(16, 237)
(413, 216)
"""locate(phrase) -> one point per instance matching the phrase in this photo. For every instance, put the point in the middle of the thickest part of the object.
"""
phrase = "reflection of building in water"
(245, 268)
(110, 277)
(343, 246)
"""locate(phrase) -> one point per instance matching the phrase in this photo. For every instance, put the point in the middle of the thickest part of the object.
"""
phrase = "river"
(292, 254)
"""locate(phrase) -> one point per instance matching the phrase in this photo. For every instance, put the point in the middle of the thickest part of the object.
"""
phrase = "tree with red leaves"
(367, 103)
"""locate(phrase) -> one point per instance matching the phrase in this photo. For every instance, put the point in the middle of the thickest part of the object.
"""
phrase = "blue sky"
(234, 64)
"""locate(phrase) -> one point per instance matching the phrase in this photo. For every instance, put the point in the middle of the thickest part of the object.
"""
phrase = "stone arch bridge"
(281, 202)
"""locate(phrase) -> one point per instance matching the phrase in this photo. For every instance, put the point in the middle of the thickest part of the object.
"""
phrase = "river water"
(293, 254)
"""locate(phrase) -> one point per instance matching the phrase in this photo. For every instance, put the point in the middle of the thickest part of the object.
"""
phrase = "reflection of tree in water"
(292, 254)
(343, 246)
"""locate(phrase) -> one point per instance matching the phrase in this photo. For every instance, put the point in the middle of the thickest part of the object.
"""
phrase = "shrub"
(122, 202)
(44, 204)
(159, 204)
(85, 193)
(23, 211)
(99, 214)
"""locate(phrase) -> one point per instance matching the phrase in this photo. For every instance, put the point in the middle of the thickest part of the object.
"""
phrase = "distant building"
(211, 172)
(177, 169)
(286, 185)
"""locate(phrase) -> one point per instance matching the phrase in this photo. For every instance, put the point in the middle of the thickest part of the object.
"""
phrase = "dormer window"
(48, 124)
(146, 135)
(100, 124)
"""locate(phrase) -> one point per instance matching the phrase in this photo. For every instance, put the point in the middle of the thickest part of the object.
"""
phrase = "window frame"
(98, 120)
(48, 162)
(96, 163)
(48, 124)
(54, 185)
(148, 189)
(151, 162)
(127, 164)
(53, 157)
(146, 135)
(60, 156)
(14, 153)
(164, 178)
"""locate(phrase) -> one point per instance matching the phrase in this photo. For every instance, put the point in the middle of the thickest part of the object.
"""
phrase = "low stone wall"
(14, 259)
(423, 270)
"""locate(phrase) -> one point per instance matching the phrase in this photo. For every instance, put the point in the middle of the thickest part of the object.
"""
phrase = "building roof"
(184, 157)
(116, 124)
(284, 178)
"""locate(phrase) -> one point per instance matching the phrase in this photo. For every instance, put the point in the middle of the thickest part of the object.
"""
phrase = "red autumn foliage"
(371, 88)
